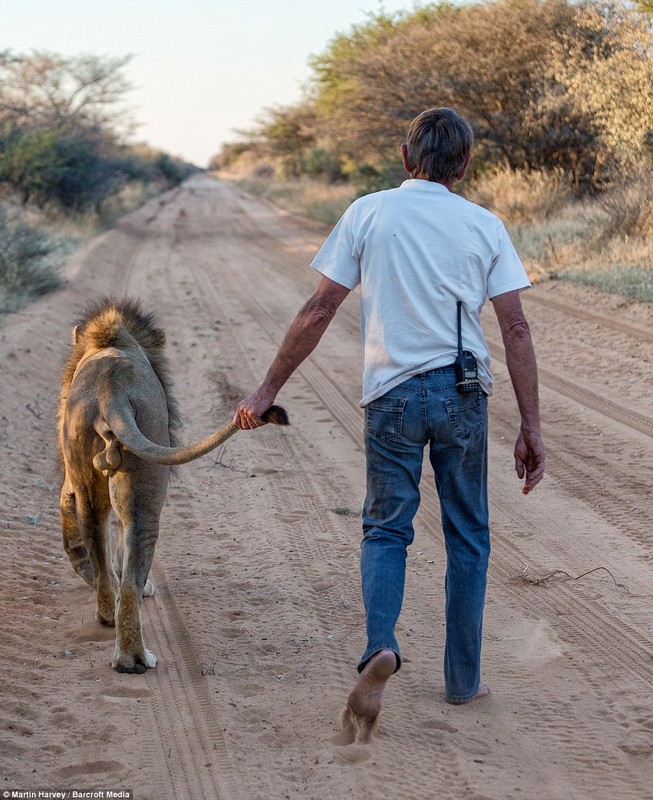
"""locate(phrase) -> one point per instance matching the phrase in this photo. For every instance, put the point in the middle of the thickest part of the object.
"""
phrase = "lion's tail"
(126, 432)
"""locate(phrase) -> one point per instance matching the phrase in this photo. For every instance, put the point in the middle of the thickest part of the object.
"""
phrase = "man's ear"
(404, 158)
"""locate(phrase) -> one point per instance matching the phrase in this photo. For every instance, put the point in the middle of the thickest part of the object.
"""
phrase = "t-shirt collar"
(420, 183)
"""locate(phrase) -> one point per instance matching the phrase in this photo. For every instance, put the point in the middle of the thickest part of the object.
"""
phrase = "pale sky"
(201, 67)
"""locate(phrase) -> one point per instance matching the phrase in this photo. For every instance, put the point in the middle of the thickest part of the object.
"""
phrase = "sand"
(258, 621)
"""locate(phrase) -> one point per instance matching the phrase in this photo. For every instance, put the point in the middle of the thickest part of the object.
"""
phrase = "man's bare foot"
(483, 691)
(359, 719)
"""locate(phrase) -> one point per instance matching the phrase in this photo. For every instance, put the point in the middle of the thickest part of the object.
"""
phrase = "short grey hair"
(439, 142)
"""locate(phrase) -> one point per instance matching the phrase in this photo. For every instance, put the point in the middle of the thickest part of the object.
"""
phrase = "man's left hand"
(529, 459)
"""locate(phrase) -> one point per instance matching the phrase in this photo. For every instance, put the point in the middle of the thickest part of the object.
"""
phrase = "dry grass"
(518, 196)
(628, 208)
(316, 200)
(131, 196)
(606, 243)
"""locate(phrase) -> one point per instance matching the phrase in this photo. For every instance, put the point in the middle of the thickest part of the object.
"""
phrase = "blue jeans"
(427, 410)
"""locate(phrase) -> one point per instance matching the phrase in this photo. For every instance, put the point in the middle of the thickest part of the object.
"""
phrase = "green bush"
(46, 165)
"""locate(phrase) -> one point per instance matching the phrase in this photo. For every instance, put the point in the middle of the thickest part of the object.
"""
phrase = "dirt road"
(258, 622)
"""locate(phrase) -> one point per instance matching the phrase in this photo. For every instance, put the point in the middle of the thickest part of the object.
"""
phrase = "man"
(426, 260)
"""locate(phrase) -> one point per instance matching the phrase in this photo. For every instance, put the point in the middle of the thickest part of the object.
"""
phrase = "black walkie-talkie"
(466, 365)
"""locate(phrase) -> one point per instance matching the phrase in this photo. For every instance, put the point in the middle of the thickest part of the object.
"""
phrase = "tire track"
(143, 236)
(637, 331)
(597, 643)
(311, 535)
(186, 724)
(615, 412)
(585, 470)
(581, 619)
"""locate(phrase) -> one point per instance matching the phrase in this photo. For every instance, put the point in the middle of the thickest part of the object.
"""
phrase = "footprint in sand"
(639, 740)
(124, 692)
(294, 516)
(111, 768)
(436, 725)
(351, 755)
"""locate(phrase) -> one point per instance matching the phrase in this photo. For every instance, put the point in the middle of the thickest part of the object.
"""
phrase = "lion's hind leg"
(139, 538)
(118, 557)
(92, 515)
(130, 654)
(137, 496)
(72, 539)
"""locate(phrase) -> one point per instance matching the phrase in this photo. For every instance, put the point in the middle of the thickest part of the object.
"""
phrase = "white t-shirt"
(415, 251)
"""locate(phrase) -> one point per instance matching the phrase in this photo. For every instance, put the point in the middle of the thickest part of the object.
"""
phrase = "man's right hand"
(250, 411)
(299, 342)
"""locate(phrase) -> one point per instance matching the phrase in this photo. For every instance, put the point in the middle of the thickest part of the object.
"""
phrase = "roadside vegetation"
(560, 95)
(65, 170)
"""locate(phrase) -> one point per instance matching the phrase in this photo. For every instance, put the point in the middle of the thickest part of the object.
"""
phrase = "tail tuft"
(276, 415)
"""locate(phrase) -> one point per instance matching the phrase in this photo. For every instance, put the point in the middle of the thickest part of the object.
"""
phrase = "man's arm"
(299, 342)
(520, 358)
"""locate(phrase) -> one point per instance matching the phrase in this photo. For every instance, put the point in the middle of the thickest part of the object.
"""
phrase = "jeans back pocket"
(384, 417)
(466, 414)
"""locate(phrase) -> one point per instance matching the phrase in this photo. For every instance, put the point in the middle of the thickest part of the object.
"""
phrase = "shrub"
(321, 162)
(29, 262)
(47, 165)
(519, 195)
(628, 208)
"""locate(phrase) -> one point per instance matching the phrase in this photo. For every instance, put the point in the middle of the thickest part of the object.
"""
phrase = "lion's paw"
(134, 665)
(105, 614)
(149, 589)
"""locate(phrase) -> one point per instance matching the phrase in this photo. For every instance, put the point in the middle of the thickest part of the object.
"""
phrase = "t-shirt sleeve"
(507, 272)
(338, 258)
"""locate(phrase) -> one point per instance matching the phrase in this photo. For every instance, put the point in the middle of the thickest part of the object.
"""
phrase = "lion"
(116, 437)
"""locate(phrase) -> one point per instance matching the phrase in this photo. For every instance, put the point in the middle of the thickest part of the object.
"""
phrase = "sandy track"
(258, 621)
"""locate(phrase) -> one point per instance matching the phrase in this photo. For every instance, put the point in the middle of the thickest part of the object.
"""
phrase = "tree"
(546, 84)
(338, 89)
(485, 60)
(47, 165)
(84, 92)
(286, 134)
(606, 74)
(553, 85)
(61, 125)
